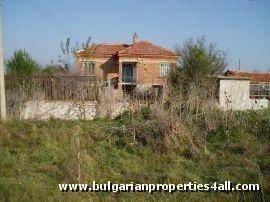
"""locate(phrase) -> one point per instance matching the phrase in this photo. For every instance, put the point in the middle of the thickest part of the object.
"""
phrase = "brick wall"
(106, 68)
(149, 73)
(110, 69)
(148, 70)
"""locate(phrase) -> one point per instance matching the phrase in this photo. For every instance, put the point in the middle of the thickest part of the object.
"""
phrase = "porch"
(127, 73)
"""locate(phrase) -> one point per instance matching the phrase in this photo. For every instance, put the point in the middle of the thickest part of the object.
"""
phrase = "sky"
(239, 27)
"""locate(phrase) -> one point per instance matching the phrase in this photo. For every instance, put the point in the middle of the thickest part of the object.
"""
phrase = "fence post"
(53, 89)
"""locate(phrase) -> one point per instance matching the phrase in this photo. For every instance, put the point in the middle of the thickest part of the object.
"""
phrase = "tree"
(21, 64)
(53, 69)
(68, 49)
(200, 62)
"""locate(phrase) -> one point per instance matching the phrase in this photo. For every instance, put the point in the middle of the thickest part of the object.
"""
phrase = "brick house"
(140, 64)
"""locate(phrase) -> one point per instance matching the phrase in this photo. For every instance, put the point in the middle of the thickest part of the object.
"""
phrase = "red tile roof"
(103, 49)
(254, 76)
(146, 48)
(142, 48)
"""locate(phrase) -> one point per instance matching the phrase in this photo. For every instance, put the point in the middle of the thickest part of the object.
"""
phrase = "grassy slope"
(35, 156)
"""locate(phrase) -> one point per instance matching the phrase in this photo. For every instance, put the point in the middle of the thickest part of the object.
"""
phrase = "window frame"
(164, 72)
(86, 68)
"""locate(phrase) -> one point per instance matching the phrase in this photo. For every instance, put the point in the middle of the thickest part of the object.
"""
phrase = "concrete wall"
(234, 94)
(258, 104)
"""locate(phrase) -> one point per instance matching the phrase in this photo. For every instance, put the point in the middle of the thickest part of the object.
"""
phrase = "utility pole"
(239, 64)
(2, 78)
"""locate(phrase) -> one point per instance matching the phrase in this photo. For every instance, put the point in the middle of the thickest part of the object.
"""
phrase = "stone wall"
(69, 110)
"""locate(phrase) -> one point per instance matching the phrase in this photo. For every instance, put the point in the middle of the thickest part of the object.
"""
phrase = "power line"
(49, 18)
(52, 19)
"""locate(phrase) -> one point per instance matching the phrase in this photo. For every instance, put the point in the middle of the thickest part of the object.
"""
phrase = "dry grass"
(181, 138)
(142, 147)
(110, 102)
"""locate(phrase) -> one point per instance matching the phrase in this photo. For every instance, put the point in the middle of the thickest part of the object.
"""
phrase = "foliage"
(22, 64)
(53, 69)
(69, 49)
(200, 61)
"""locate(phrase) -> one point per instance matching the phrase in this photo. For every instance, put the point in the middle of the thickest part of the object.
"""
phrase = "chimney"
(135, 38)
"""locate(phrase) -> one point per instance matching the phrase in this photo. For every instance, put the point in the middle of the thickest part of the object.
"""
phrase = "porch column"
(120, 74)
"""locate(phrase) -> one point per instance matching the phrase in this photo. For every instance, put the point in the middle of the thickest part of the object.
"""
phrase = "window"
(89, 68)
(165, 69)
(129, 72)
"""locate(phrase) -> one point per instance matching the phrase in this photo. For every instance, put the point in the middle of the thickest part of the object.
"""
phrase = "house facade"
(140, 64)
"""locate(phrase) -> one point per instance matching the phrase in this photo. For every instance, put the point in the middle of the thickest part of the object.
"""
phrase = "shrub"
(22, 64)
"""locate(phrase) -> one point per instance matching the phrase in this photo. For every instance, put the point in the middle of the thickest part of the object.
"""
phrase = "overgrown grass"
(35, 156)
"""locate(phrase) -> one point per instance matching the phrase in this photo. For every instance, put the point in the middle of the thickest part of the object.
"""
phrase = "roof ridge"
(112, 44)
(131, 45)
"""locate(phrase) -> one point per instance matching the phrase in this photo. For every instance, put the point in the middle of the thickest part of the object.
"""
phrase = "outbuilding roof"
(254, 76)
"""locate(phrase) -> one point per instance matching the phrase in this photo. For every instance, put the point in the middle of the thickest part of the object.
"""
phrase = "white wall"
(58, 109)
(69, 110)
(234, 95)
(258, 104)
